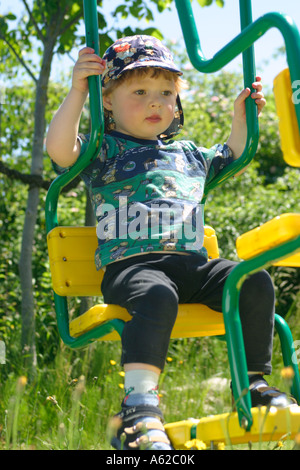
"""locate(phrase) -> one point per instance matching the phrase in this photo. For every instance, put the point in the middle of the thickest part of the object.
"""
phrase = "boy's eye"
(143, 92)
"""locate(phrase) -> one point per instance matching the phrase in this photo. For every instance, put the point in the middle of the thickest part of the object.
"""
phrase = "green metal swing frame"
(241, 44)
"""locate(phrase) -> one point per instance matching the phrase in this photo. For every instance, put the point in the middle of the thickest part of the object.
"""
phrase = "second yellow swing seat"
(285, 97)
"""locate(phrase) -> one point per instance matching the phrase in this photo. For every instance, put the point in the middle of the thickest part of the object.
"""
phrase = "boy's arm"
(61, 142)
(238, 137)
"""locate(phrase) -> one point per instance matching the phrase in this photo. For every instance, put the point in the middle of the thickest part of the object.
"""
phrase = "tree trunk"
(25, 264)
(25, 268)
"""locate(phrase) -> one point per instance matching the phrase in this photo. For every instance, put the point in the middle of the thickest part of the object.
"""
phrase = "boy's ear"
(107, 102)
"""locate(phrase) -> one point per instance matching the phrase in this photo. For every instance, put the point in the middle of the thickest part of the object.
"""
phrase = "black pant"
(150, 287)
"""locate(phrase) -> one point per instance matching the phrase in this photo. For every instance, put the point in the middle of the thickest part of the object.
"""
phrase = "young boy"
(146, 191)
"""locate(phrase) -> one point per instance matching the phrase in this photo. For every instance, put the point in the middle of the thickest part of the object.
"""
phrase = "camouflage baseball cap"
(133, 52)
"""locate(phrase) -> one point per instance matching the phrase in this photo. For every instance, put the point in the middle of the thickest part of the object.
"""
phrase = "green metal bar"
(96, 137)
(249, 73)
(97, 122)
(233, 329)
(240, 43)
(288, 353)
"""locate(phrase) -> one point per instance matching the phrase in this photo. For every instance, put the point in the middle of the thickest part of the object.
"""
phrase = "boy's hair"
(153, 72)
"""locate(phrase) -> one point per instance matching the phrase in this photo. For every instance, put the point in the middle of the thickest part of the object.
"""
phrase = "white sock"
(143, 383)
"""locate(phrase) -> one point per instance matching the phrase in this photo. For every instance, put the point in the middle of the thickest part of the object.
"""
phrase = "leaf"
(11, 16)
(205, 3)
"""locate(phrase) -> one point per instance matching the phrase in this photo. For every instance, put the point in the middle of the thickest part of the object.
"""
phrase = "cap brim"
(150, 63)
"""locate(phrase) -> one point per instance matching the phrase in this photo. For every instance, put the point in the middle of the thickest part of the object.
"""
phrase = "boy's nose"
(155, 103)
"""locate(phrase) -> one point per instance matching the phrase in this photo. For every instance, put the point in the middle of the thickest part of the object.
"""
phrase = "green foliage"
(16, 142)
(11, 218)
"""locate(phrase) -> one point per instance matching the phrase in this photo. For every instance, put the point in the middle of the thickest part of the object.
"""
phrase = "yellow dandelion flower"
(287, 373)
(73, 382)
(195, 444)
(169, 359)
(121, 386)
(112, 362)
(22, 381)
(122, 373)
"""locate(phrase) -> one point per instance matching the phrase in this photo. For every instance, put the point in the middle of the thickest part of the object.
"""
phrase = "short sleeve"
(217, 158)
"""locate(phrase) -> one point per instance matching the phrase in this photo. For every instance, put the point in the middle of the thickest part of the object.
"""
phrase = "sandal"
(264, 395)
(140, 428)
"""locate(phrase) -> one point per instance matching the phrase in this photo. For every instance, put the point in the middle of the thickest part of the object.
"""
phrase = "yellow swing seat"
(71, 255)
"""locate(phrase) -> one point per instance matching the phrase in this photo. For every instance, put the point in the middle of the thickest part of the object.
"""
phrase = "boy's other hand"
(257, 95)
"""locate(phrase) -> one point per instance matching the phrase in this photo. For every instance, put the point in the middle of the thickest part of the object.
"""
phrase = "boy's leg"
(256, 308)
(151, 299)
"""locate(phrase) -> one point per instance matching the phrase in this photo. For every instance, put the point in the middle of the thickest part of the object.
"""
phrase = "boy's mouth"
(154, 118)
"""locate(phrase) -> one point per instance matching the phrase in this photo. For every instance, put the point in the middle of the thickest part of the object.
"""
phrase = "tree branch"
(39, 32)
(19, 58)
(71, 22)
(33, 180)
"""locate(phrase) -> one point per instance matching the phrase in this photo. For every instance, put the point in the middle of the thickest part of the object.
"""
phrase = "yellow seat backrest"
(279, 230)
(288, 125)
(71, 255)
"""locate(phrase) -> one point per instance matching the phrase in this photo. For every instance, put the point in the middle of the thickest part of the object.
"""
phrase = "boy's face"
(144, 107)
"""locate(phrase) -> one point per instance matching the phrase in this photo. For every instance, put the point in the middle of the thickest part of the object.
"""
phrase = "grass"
(68, 405)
